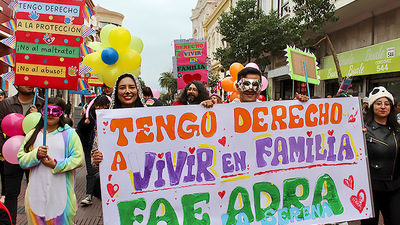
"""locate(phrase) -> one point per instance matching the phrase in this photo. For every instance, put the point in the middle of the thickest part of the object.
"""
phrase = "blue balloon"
(109, 56)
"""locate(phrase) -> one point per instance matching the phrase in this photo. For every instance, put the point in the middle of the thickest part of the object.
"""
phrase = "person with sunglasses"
(50, 195)
(21, 103)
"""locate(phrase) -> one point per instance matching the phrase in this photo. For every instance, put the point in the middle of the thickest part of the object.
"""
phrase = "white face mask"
(246, 84)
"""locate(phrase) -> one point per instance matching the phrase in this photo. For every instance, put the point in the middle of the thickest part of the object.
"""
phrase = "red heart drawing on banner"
(113, 200)
(349, 182)
(359, 201)
(309, 133)
(105, 123)
(112, 189)
(160, 155)
(222, 141)
(352, 119)
(189, 78)
(221, 194)
(330, 132)
(192, 149)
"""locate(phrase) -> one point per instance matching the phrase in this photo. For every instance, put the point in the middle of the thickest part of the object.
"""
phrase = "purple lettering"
(203, 165)
(175, 174)
(261, 144)
(297, 147)
(280, 142)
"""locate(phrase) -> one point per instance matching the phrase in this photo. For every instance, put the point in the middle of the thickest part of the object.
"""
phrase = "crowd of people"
(52, 165)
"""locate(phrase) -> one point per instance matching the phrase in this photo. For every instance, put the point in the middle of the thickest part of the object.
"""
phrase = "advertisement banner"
(48, 40)
(190, 61)
(282, 162)
(375, 59)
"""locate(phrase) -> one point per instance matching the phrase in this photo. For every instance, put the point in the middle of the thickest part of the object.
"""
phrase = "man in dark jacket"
(21, 103)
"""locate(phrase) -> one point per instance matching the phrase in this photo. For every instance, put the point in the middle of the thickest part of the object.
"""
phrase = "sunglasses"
(53, 110)
(246, 84)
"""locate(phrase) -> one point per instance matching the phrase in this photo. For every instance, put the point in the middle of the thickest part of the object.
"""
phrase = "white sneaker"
(87, 200)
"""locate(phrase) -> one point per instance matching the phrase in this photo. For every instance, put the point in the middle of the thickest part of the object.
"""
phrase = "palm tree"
(168, 81)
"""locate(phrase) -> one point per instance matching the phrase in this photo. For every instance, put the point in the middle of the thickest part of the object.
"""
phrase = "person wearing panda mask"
(383, 141)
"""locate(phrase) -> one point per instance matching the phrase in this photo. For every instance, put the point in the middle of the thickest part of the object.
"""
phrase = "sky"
(158, 23)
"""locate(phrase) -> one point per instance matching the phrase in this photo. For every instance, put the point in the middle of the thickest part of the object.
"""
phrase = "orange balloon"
(234, 95)
(234, 69)
(227, 84)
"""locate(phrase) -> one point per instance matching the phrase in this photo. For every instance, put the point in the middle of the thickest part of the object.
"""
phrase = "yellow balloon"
(119, 38)
(111, 74)
(97, 46)
(136, 44)
(129, 60)
(104, 33)
(94, 61)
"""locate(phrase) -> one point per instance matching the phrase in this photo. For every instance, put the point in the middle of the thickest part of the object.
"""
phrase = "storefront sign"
(375, 59)
(282, 162)
(385, 65)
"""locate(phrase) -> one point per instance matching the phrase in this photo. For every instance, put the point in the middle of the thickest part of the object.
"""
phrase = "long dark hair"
(117, 104)
(61, 123)
(391, 119)
(203, 93)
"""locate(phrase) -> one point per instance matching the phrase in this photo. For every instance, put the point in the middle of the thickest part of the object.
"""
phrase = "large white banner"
(282, 162)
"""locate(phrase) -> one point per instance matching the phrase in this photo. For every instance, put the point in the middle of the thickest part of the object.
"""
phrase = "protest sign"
(190, 61)
(48, 34)
(282, 162)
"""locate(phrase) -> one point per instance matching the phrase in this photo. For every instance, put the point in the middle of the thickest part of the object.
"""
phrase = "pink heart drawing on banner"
(112, 189)
(359, 201)
(189, 78)
(221, 194)
(349, 182)
(222, 141)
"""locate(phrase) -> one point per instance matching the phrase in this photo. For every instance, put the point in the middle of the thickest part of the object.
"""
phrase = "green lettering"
(169, 216)
(289, 192)
(274, 198)
(127, 211)
(325, 189)
(244, 202)
(189, 212)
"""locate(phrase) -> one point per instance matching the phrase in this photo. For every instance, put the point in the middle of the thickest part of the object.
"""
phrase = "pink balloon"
(11, 124)
(264, 83)
(11, 148)
(156, 93)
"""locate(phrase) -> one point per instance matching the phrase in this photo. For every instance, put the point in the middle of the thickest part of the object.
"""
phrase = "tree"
(314, 15)
(213, 80)
(168, 81)
(250, 34)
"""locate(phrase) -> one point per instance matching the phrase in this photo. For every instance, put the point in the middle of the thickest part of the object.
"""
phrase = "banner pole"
(34, 98)
(308, 87)
(46, 102)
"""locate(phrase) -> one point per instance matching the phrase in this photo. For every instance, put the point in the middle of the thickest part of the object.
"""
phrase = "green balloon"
(105, 31)
(30, 121)
(136, 44)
